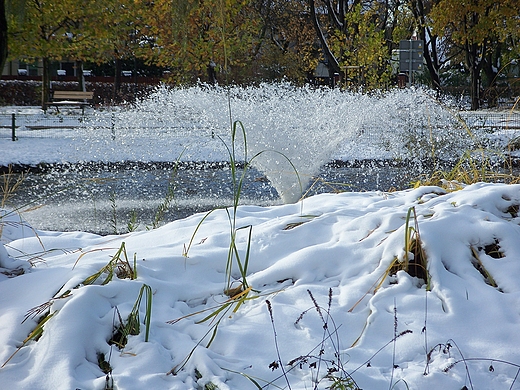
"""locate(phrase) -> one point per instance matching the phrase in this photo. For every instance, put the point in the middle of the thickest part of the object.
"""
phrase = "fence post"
(113, 125)
(13, 127)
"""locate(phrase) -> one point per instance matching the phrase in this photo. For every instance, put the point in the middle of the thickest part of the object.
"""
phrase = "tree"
(433, 54)
(3, 36)
(117, 27)
(504, 49)
(286, 46)
(476, 28)
(95, 31)
(193, 35)
(365, 45)
(356, 33)
(45, 29)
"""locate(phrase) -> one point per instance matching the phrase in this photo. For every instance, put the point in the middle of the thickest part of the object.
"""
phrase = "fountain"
(310, 127)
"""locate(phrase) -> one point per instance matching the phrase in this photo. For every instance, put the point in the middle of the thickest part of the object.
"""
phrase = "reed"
(132, 325)
(214, 315)
(34, 335)
(119, 265)
(237, 180)
(478, 164)
(10, 185)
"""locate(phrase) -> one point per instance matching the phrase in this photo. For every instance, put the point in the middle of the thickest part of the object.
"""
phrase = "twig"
(280, 363)
(424, 330)
(394, 342)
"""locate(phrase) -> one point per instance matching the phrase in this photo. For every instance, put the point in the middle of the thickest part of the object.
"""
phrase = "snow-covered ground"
(384, 330)
(323, 297)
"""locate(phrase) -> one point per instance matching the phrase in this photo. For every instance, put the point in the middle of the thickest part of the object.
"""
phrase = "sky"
(303, 295)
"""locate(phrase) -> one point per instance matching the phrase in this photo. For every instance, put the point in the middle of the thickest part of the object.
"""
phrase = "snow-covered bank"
(461, 333)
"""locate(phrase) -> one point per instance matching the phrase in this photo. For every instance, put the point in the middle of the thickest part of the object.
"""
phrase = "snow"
(383, 330)
(345, 243)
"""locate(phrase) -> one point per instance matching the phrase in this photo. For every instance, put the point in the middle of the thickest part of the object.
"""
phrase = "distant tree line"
(475, 42)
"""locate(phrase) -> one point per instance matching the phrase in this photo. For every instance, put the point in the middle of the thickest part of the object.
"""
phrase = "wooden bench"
(71, 98)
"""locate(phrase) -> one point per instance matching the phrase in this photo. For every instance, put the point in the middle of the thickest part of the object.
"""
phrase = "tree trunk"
(3, 36)
(46, 82)
(490, 67)
(79, 75)
(117, 79)
(430, 43)
(475, 66)
(332, 62)
(431, 57)
(474, 89)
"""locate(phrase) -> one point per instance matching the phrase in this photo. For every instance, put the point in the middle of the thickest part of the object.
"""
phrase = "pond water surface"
(106, 198)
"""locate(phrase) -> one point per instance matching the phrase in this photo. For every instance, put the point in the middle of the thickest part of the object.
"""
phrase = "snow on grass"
(382, 331)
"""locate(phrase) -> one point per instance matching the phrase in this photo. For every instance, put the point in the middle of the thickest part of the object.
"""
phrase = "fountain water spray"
(308, 126)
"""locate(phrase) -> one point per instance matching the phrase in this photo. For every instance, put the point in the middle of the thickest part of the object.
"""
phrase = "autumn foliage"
(237, 41)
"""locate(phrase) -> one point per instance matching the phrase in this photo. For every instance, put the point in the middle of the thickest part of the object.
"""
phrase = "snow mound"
(331, 298)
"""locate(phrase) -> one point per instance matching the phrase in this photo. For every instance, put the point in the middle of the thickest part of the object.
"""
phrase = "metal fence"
(21, 125)
(8, 126)
(114, 124)
(94, 124)
(492, 120)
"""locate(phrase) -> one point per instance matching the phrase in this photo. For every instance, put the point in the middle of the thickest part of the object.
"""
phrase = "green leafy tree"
(95, 31)
(45, 29)
(3, 35)
(287, 42)
(365, 47)
(356, 33)
(504, 50)
(203, 39)
(476, 29)
(119, 30)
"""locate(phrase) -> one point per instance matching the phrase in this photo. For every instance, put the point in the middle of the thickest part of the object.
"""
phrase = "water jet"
(312, 126)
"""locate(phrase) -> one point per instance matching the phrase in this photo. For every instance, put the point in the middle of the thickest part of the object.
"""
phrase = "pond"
(115, 198)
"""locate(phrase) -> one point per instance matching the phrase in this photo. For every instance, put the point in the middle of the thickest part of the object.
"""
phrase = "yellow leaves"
(474, 21)
(200, 32)
(363, 44)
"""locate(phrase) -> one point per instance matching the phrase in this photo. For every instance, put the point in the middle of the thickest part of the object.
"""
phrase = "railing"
(17, 125)
(94, 124)
(4, 124)
(399, 137)
(55, 125)
(499, 120)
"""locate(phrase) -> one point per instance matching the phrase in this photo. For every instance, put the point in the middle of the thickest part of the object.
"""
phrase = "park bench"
(71, 98)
